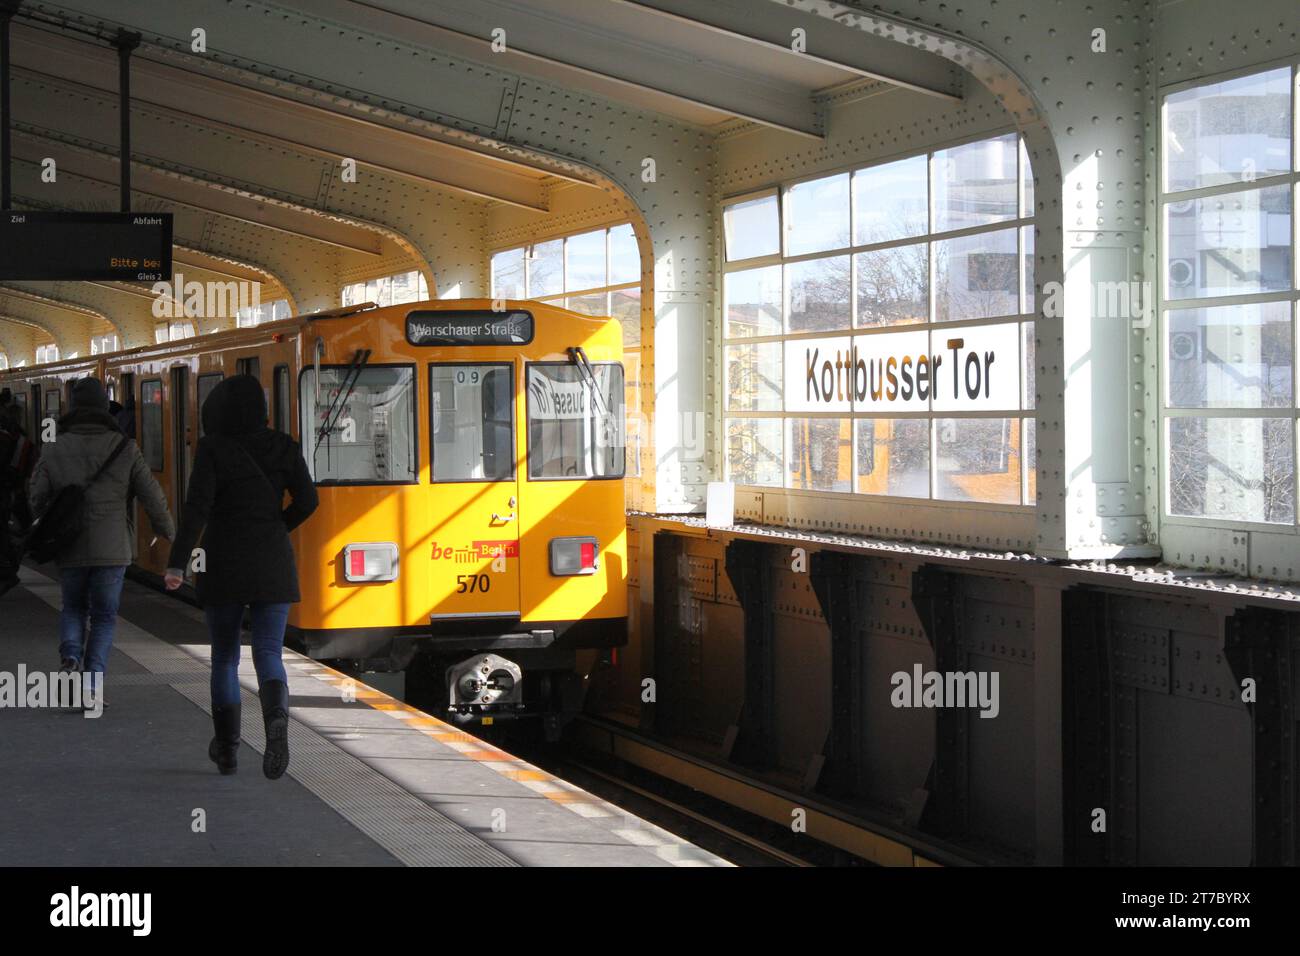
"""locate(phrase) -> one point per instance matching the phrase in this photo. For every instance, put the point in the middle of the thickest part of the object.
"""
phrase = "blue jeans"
(90, 598)
(267, 639)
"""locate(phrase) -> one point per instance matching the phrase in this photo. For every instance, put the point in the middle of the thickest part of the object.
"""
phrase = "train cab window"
(206, 384)
(471, 419)
(358, 426)
(151, 423)
(575, 421)
(280, 403)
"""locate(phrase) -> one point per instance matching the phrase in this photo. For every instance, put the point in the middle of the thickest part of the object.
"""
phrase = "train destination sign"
(469, 327)
(126, 246)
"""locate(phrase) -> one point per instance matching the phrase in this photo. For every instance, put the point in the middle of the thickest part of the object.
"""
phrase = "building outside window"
(387, 290)
(878, 329)
(4, 361)
(251, 316)
(1228, 299)
(100, 344)
(597, 272)
(173, 331)
(47, 353)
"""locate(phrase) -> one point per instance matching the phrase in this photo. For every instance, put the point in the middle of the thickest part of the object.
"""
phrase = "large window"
(878, 329)
(173, 331)
(358, 425)
(102, 344)
(596, 273)
(387, 290)
(575, 421)
(47, 353)
(1229, 298)
(251, 316)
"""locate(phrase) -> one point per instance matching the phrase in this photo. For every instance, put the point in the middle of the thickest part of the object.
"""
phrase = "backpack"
(62, 521)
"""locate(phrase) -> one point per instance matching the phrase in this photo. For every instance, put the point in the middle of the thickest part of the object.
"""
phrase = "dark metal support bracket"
(750, 569)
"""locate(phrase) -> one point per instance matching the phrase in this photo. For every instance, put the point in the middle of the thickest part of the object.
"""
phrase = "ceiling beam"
(534, 39)
(770, 26)
(100, 167)
(198, 98)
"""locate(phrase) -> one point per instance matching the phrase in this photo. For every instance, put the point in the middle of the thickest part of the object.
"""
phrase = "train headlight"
(577, 555)
(370, 561)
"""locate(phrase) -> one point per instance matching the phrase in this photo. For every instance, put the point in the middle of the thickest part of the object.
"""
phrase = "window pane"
(1228, 132)
(546, 269)
(754, 451)
(592, 304)
(893, 285)
(977, 459)
(624, 255)
(1234, 244)
(1237, 356)
(1237, 469)
(405, 288)
(380, 291)
(754, 377)
(573, 430)
(894, 456)
(820, 453)
(1030, 432)
(1027, 273)
(819, 291)
(471, 417)
(1028, 362)
(890, 202)
(977, 368)
(977, 277)
(817, 215)
(976, 184)
(363, 435)
(151, 424)
(1027, 176)
(206, 384)
(586, 260)
(282, 401)
(753, 302)
(626, 307)
(751, 228)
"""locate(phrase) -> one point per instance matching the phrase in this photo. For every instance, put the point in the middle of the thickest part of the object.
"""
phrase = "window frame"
(1027, 316)
(415, 427)
(528, 421)
(1164, 305)
(145, 445)
(514, 431)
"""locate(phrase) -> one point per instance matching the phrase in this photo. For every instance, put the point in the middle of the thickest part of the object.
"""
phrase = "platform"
(371, 782)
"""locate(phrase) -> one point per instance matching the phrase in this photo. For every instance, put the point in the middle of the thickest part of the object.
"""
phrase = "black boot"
(275, 712)
(224, 749)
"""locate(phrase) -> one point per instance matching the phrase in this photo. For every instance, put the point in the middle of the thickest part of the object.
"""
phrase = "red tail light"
(578, 555)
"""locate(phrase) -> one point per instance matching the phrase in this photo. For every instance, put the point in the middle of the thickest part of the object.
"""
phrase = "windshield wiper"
(579, 358)
(340, 402)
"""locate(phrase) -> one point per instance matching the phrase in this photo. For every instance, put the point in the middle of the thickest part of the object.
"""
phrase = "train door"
(475, 495)
(180, 408)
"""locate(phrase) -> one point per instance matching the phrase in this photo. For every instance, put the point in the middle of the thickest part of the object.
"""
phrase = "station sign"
(85, 246)
(468, 327)
(971, 368)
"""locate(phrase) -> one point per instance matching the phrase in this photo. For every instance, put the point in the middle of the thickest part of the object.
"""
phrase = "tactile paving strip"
(405, 826)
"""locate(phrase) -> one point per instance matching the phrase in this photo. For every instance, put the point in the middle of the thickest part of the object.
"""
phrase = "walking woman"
(235, 501)
(91, 569)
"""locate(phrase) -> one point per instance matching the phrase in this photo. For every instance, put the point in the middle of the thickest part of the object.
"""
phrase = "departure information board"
(469, 327)
(127, 246)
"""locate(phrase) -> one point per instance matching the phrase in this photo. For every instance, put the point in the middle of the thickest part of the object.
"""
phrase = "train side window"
(151, 423)
(471, 421)
(575, 430)
(249, 366)
(358, 427)
(53, 405)
(207, 383)
(281, 398)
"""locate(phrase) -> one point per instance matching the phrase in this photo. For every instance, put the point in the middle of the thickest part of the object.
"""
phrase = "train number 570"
(466, 583)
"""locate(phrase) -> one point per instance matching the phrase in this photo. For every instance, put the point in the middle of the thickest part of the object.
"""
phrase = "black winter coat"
(235, 501)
